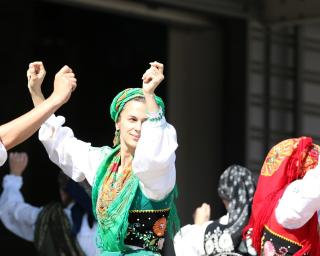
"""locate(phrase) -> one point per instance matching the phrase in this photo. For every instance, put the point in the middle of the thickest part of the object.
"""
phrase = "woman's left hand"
(152, 77)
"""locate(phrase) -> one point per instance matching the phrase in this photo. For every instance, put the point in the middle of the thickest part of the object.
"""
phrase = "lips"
(136, 138)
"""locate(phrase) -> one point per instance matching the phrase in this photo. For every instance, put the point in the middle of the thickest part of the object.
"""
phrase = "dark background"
(108, 53)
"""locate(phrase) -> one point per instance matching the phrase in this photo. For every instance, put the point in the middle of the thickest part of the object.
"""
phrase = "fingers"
(18, 163)
(206, 209)
(37, 67)
(73, 82)
(151, 74)
(157, 65)
(36, 71)
(64, 84)
(18, 157)
(155, 68)
(64, 70)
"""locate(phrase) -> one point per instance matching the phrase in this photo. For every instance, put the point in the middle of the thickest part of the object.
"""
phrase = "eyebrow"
(130, 116)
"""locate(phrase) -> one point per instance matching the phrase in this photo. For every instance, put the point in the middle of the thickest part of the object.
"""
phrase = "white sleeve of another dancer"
(154, 160)
(3, 154)
(189, 241)
(76, 158)
(16, 215)
(300, 201)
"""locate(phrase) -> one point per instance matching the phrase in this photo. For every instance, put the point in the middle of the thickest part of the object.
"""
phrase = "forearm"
(37, 97)
(152, 106)
(21, 128)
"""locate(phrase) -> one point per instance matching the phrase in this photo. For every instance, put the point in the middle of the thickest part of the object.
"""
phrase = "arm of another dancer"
(77, 159)
(190, 239)
(16, 215)
(300, 201)
(21, 128)
(154, 160)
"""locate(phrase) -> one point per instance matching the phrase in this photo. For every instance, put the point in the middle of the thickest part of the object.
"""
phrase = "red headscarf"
(286, 162)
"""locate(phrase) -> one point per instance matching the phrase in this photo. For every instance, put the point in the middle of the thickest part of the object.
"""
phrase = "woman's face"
(129, 123)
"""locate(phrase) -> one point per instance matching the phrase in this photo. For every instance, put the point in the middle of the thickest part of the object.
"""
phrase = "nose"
(138, 126)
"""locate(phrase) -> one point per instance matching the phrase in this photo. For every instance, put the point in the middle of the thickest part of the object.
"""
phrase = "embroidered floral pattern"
(276, 156)
(274, 244)
(147, 228)
(269, 250)
(218, 242)
(159, 226)
(284, 149)
(149, 239)
(156, 118)
(112, 185)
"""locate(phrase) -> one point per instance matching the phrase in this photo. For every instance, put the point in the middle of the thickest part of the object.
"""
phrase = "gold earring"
(116, 139)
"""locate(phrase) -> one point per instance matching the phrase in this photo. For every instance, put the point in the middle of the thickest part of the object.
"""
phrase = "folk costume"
(222, 236)
(54, 229)
(134, 207)
(284, 212)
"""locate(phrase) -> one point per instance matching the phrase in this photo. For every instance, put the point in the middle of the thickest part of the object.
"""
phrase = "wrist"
(55, 100)
(148, 94)
(34, 91)
(15, 174)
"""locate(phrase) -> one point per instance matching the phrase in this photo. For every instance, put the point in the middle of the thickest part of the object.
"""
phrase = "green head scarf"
(126, 95)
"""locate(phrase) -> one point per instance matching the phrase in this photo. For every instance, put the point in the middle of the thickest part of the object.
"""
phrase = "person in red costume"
(284, 212)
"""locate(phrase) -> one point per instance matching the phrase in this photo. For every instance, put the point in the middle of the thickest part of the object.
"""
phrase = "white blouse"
(189, 241)
(20, 217)
(3, 154)
(153, 163)
(300, 201)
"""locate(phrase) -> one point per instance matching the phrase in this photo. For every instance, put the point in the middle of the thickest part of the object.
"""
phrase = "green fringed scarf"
(113, 216)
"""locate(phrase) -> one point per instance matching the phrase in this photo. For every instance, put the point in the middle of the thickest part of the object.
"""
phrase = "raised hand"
(152, 77)
(202, 214)
(35, 75)
(18, 163)
(64, 84)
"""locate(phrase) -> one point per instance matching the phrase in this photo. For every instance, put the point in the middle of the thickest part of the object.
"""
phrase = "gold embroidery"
(284, 149)
(149, 211)
(276, 155)
(282, 237)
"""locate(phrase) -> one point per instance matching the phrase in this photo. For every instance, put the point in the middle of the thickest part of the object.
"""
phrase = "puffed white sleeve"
(16, 215)
(3, 154)
(300, 201)
(189, 241)
(77, 159)
(154, 159)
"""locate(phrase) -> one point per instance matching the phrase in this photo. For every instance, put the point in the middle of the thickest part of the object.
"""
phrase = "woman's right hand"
(202, 214)
(65, 83)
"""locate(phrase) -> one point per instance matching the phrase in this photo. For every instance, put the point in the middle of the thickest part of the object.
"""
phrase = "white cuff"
(156, 119)
(3, 154)
(12, 181)
(49, 127)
